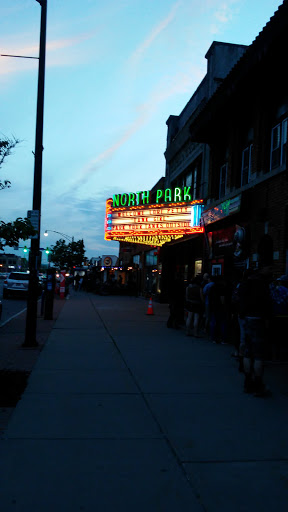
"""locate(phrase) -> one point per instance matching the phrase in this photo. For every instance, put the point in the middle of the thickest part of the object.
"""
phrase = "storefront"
(156, 221)
(226, 238)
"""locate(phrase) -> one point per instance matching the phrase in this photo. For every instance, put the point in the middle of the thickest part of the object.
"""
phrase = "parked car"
(17, 284)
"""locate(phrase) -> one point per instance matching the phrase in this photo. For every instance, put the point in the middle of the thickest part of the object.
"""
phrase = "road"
(11, 306)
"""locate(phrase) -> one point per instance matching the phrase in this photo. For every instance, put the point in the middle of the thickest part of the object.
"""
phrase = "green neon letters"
(159, 195)
(169, 195)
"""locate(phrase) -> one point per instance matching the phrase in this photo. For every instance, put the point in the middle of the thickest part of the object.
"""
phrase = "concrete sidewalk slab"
(223, 427)
(94, 475)
(159, 378)
(86, 416)
(98, 380)
(79, 340)
(68, 354)
(241, 486)
(122, 413)
(80, 319)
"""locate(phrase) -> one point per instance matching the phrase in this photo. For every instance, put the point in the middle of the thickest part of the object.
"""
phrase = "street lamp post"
(31, 317)
(70, 238)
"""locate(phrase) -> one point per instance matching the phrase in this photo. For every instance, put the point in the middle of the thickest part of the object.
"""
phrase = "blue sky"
(115, 71)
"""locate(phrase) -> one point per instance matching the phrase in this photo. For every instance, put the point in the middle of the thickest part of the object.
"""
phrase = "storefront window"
(217, 270)
(198, 267)
(136, 259)
(151, 258)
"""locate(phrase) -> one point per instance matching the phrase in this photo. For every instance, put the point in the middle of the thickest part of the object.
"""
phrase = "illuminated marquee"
(130, 217)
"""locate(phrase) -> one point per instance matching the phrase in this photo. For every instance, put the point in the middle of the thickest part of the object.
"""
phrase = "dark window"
(188, 180)
(151, 258)
(246, 165)
(278, 145)
(195, 183)
(222, 181)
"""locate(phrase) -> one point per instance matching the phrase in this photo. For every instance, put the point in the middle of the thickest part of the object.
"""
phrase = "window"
(222, 181)
(136, 259)
(284, 142)
(195, 176)
(151, 258)
(217, 270)
(246, 165)
(278, 145)
(198, 267)
(188, 181)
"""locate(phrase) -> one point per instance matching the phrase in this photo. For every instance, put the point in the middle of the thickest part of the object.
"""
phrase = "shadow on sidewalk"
(16, 362)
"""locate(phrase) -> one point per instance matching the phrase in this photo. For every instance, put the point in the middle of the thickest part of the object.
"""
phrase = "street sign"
(33, 216)
(107, 261)
(62, 284)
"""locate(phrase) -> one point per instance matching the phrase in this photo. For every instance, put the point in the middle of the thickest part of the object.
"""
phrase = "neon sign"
(222, 210)
(143, 197)
(152, 224)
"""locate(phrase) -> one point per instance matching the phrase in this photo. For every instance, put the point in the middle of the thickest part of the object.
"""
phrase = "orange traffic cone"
(150, 308)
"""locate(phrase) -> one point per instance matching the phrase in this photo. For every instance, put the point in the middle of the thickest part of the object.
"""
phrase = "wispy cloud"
(137, 54)
(95, 164)
(64, 43)
(178, 84)
(222, 15)
(54, 55)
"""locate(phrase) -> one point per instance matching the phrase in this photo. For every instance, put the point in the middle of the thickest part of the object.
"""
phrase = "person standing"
(76, 281)
(240, 320)
(176, 303)
(193, 304)
(206, 299)
(279, 323)
(255, 307)
(219, 306)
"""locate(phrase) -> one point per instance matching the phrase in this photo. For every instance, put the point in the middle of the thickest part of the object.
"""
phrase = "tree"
(68, 255)
(12, 232)
(6, 145)
(20, 229)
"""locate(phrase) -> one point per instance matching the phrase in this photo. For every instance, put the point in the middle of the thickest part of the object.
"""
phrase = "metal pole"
(34, 257)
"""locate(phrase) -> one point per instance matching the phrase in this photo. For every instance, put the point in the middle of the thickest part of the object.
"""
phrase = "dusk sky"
(115, 71)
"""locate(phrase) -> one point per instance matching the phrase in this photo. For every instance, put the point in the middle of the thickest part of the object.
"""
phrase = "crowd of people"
(250, 313)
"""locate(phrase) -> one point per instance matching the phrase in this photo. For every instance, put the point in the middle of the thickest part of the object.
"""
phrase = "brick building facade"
(229, 144)
(245, 125)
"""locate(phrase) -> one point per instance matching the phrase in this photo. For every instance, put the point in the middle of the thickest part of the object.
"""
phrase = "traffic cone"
(150, 308)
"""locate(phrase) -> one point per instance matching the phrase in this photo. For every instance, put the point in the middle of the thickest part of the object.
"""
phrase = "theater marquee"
(131, 217)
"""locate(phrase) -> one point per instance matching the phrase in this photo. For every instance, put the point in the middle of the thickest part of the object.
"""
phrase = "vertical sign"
(33, 216)
(62, 284)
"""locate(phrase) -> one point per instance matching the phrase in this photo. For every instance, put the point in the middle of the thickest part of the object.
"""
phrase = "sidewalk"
(16, 363)
(121, 413)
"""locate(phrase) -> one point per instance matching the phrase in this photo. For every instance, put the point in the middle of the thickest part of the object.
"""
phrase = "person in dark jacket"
(220, 306)
(194, 307)
(255, 307)
(176, 303)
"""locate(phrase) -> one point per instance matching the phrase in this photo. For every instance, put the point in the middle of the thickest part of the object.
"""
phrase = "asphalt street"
(12, 306)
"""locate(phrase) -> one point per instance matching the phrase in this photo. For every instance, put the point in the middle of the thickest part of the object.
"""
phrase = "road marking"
(11, 317)
(14, 316)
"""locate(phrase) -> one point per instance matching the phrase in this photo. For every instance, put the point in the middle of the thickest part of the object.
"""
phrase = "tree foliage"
(68, 255)
(6, 145)
(12, 232)
(20, 229)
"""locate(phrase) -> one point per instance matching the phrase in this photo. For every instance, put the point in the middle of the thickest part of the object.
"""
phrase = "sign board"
(62, 284)
(33, 216)
(107, 261)
(222, 210)
(136, 221)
